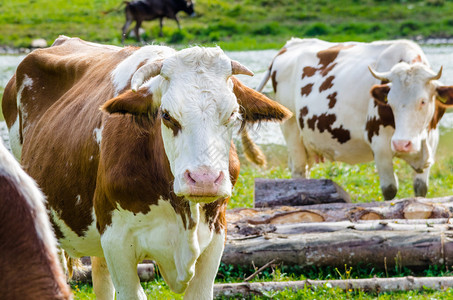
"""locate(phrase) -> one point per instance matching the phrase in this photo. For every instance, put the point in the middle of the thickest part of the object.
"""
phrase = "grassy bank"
(234, 25)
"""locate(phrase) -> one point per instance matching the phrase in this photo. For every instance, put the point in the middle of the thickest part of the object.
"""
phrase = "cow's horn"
(437, 76)
(237, 68)
(144, 73)
(377, 75)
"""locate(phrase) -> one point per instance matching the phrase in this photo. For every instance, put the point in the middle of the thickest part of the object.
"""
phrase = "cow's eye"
(234, 115)
(166, 116)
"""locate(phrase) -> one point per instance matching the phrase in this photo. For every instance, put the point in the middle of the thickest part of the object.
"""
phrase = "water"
(258, 62)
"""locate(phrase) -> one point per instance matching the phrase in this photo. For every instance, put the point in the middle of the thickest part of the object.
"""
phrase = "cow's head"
(415, 97)
(188, 7)
(199, 102)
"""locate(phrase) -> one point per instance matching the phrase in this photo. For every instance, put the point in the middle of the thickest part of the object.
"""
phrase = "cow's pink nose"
(402, 145)
(203, 182)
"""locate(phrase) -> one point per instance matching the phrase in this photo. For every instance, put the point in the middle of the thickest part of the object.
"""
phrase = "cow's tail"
(265, 79)
(72, 265)
(251, 150)
(105, 12)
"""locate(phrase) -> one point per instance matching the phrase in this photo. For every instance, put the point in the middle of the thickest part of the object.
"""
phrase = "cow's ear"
(257, 107)
(380, 92)
(139, 103)
(445, 96)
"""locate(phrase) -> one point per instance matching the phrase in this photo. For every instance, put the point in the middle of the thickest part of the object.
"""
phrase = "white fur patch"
(14, 139)
(97, 133)
(76, 246)
(122, 74)
(159, 235)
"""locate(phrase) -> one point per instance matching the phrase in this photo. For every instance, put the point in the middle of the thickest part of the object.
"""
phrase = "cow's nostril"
(220, 178)
(189, 178)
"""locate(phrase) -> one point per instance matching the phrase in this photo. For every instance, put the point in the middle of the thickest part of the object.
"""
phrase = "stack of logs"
(309, 222)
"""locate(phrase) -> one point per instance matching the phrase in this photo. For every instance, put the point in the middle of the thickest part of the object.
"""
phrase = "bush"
(317, 29)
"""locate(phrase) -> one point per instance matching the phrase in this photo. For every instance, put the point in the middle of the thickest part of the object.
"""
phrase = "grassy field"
(233, 24)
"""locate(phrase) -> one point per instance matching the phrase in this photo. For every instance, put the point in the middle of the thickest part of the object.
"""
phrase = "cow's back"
(59, 91)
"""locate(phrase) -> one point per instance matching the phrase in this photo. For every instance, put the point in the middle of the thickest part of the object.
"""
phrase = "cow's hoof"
(420, 188)
(389, 192)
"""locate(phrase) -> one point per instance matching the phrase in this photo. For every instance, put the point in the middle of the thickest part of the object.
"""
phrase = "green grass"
(234, 25)
(360, 181)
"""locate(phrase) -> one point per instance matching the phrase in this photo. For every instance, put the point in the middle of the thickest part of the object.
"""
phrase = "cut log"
(145, 273)
(410, 208)
(242, 230)
(297, 192)
(380, 248)
(379, 285)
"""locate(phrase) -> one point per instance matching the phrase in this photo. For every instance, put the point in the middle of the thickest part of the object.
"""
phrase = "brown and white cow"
(29, 264)
(147, 176)
(330, 91)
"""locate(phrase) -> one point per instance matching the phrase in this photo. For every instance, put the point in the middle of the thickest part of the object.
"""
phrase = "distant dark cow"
(148, 10)
(29, 266)
(344, 112)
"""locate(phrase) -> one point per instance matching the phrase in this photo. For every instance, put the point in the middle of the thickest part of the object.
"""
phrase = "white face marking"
(199, 97)
(78, 200)
(122, 74)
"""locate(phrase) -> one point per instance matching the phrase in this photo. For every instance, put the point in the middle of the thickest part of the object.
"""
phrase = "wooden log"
(145, 273)
(380, 248)
(297, 192)
(242, 230)
(379, 285)
(410, 208)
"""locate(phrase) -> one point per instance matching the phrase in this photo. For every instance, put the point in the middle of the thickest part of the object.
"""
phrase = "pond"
(258, 62)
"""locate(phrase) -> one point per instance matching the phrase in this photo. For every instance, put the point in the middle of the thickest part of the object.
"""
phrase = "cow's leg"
(122, 264)
(297, 155)
(102, 283)
(421, 183)
(161, 25)
(124, 30)
(384, 163)
(177, 22)
(202, 284)
(138, 23)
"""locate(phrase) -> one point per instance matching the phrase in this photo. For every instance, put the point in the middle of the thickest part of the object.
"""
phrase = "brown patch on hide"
(385, 118)
(303, 113)
(306, 90)
(332, 99)
(328, 56)
(327, 84)
(324, 122)
(274, 81)
(308, 72)
(29, 267)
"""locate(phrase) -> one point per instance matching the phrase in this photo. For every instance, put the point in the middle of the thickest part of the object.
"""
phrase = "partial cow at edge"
(355, 102)
(29, 264)
(147, 176)
(148, 10)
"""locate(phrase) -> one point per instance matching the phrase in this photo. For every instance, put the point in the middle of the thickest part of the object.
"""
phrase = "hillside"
(232, 24)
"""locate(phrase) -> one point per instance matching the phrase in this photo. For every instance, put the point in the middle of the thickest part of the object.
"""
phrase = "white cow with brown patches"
(346, 112)
(147, 176)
